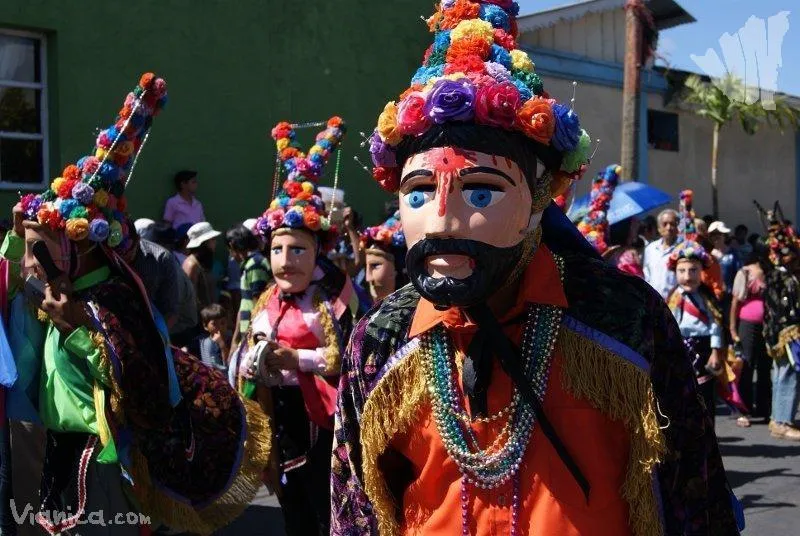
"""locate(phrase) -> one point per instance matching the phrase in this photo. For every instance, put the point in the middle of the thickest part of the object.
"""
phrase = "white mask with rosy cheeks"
(451, 193)
(293, 257)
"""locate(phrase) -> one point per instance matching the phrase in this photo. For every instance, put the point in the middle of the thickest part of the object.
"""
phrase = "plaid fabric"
(256, 275)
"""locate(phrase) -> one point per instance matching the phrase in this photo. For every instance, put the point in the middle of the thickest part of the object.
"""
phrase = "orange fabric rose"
(312, 221)
(146, 80)
(535, 119)
(470, 46)
(71, 173)
(412, 89)
(466, 64)
(461, 10)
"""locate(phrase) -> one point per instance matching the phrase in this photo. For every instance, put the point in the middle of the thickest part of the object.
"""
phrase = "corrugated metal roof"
(667, 13)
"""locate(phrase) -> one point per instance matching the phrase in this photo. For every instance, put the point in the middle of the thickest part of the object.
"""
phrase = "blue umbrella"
(630, 199)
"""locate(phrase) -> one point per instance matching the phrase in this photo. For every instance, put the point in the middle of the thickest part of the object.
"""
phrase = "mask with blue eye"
(418, 197)
(481, 196)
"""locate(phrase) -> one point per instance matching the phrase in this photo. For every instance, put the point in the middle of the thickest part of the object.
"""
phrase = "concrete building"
(584, 41)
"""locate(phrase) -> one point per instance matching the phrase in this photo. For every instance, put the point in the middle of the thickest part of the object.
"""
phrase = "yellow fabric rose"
(274, 204)
(283, 143)
(100, 154)
(520, 60)
(77, 229)
(101, 198)
(308, 187)
(387, 124)
(473, 28)
(56, 184)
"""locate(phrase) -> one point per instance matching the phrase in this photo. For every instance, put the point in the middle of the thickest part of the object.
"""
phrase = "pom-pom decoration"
(87, 201)
(686, 227)
(594, 226)
(474, 73)
(297, 204)
(386, 236)
(688, 250)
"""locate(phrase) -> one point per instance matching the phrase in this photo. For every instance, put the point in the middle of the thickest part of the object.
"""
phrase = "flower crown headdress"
(688, 250)
(781, 238)
(297, 204)
(475, 73)
(88, 199)
(594, 226)
(389, 235)
(686, 216)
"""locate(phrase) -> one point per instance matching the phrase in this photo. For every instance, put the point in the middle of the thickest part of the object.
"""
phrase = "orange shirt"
(712, 277)
(551, 502)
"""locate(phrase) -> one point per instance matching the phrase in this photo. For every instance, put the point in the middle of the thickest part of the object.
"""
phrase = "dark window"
(23, 114)
(662, 130)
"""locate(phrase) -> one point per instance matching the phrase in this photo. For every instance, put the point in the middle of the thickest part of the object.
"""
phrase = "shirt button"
(501, 500)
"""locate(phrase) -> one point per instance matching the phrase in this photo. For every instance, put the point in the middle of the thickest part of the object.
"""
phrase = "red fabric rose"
(465, 64)
(427, 54)
(292, 188)
(281, 130)
(334, 121)
(412, 89)
(504, 39)
(388, 178)
(461, 10)
(469, 46)
(535, 119)
(71, 173)
(65, 188)
(411, 117)
(496, 105)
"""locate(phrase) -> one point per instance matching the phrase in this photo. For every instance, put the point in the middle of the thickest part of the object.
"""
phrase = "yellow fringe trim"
(624, 393)
(390, 409)
(787, 335)
(41, 316)
(333, 358)
(100, 411)
(180, 516)
(115, 393)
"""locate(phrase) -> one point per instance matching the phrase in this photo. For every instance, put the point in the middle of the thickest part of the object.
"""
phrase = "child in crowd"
(698, 315)
(215, 345)
(184, 207)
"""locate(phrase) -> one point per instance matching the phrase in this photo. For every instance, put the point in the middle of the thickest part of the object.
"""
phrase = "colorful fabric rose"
(77, 229)
(66, 207)
(387, 124)
(451, 100)
(521, 61)
(83, 193)
(458, 12)
(496, 16)
(411, 117)
(505, 39)
(500, 55)
(101, 198)
(382, 154)
(496, 105)
(568, 128)
(71, 173)
(312, 220)
(424, 74)
(98, 230)
(470, 46)
(497, 71)
(465, 64)
(387, 177)
(78, 212)
(535, 119)
(473, 28)
(524, 91)
(531, 80)
(293, 219)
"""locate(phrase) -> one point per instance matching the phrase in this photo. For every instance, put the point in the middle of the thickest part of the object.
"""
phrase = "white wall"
(761, 167)
(599, 36)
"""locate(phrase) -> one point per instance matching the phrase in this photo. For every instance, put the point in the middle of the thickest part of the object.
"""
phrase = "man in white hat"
(198, 265)
(726, 256)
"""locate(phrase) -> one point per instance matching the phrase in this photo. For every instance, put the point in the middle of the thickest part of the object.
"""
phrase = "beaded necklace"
(499, 463)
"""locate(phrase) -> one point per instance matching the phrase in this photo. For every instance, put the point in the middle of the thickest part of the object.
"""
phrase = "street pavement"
(764, 473)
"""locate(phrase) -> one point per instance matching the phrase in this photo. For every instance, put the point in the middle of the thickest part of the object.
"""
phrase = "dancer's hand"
(283, 358)
(66, 313)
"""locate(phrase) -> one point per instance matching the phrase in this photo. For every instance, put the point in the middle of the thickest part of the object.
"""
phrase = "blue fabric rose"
(293, 219)
(496, 16)
(424, 74)
(568, 128)
(98, 230)
(524, 92)
(501, 56)
(67, 206)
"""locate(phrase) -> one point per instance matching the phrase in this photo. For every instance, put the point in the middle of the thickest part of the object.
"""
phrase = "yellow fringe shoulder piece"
(333, 356)
(108, 381)
(244, 485)
(390, 408)
(787, 335)
(623, 392)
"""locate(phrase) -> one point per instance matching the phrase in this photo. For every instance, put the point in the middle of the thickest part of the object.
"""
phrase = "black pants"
(754, 352)
(306, 500)
(700, 352)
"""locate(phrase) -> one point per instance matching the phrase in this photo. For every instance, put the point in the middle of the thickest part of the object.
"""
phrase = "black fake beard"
(494, 267)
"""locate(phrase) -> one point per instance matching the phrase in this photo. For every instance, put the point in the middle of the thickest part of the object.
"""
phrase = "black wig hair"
(485, 139)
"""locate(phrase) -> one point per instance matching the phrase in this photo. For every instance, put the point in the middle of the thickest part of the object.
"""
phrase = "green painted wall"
(234, 68)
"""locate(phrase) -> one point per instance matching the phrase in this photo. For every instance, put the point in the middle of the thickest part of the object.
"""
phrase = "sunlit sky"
(714, 19)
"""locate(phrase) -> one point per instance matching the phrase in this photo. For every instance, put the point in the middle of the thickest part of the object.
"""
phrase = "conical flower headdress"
(594, 226)
(688, 248)
(475, 73)
(298, 205)
(781, 238)
(88, 199)
(385, 237)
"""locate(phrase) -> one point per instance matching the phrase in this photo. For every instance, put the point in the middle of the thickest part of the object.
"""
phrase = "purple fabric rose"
(497, 71)
(98, 230)
(382, 154)
(447, 4)
(568, 128)
(451, 100)
(83, 193)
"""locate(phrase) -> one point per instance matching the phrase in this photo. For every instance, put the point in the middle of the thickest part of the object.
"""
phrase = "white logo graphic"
(753, 54)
